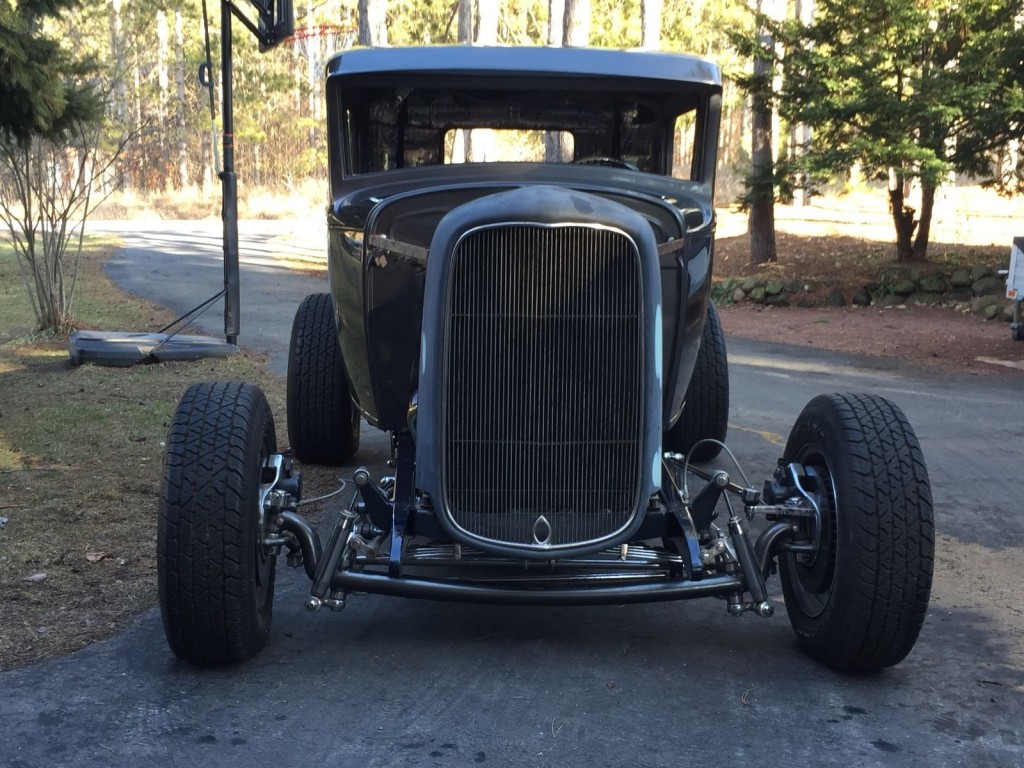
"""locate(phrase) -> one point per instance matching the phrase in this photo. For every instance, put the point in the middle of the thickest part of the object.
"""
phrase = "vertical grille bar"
(543, 395)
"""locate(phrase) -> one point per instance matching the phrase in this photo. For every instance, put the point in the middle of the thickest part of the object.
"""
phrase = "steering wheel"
(606, 162)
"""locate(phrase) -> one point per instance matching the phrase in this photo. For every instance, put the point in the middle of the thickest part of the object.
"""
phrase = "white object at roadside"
(1015, 278)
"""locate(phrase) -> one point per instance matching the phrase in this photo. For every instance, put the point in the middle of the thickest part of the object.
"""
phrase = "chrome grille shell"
(543, 400)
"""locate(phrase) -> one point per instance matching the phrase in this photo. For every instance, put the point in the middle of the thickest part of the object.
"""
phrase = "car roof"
(524, 62)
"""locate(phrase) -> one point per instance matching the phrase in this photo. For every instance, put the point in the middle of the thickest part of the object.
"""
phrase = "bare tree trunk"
(576, 25)
(120, 92)
(297, 76)
(313, 69)
(650, 19)
(801, 134)
(484, 141)
(902, 216)
(179, 81)
(117, 54)
(761, 221)
(924, 227)
(462, 146)
(575, 32)
(136, 92)
(465, 33)
(733, 125)
(555, 150)
(163, 82)
(373, 19)
(556, 22)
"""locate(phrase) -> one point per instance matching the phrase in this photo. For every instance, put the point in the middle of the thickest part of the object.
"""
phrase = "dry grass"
(301, 201)
(80, 463)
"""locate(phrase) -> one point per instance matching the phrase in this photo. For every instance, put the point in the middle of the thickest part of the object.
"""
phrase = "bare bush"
(47, 189)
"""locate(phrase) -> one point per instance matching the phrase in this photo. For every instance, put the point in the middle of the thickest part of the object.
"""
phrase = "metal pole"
(229, 184)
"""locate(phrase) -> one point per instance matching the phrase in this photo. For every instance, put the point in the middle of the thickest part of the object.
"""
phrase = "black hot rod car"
(521, 244)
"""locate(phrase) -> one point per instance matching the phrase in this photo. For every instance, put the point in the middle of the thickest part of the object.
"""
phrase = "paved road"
(178, 264)
(393, 682)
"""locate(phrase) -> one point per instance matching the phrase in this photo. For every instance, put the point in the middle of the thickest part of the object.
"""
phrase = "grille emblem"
(542, 531)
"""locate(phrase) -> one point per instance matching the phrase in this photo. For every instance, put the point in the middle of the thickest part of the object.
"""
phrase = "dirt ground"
(932, 338)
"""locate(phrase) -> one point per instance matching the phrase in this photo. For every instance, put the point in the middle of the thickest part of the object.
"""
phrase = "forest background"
(152, 50)
(148, 54)
(822, 92)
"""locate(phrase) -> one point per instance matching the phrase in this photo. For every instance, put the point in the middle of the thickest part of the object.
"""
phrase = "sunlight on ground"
(968, 216)
(42, 353)
(10, 459)
(786, 366)
(773, 438)
(964, 570)
(1015, 364)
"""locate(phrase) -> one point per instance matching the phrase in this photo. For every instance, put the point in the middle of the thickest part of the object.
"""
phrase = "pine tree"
(41, 84)
(910, 92)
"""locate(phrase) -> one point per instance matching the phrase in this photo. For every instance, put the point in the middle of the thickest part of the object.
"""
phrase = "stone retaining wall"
(977, 289)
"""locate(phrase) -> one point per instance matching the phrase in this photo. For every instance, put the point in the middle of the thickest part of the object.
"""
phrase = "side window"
(684, 137)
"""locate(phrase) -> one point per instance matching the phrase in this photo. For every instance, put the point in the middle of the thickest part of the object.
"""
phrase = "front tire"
(323, 422)
(214, 574)
(859, 602)
(706, 405)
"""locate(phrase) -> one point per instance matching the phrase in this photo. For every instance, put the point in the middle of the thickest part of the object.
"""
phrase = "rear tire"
(860, 602)
(214, 574)
(706, 406)
(323, 422)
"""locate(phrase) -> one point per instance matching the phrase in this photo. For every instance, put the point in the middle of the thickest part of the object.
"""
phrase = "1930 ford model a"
(534, 332)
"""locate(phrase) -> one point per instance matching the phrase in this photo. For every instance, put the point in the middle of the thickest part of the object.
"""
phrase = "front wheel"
(858, 601)
(214, 573)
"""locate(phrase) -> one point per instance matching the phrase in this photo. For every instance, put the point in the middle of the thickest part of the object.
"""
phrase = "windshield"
(387, 128)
